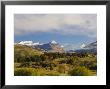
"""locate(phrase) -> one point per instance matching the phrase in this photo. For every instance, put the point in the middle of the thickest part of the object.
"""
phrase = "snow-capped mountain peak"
(82, 46)
(36, 43)
(91, 45)
(28, 43)
(25, 42)
(53, 42)
(90, 48)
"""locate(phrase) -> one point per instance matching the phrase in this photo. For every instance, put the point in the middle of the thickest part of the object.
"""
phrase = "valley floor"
(72, 66)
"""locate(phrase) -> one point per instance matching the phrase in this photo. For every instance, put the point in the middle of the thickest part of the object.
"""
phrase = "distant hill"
(91, 45)
(26, 49)
(52, 46)
(90, 48)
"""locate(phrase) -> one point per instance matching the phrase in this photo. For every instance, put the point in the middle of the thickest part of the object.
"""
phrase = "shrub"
(53, 74)
(80, 71)
(22, 72)
(63, 68)
(93, 66)
(25, 64)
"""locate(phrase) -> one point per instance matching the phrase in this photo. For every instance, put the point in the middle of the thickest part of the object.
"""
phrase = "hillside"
(89, 48)
(23, 52)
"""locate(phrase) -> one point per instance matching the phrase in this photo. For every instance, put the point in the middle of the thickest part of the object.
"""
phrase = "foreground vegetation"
(31, 62)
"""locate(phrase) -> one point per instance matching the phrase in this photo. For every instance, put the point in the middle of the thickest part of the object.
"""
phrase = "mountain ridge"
(90, 48)
(54, 46)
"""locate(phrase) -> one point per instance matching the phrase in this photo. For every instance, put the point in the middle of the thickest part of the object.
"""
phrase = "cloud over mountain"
(64, 24)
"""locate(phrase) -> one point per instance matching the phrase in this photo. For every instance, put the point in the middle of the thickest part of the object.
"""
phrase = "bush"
(93, 66)
(63, 68)
(22, 72)
(53, 74)
(80, 71)
(25, 64)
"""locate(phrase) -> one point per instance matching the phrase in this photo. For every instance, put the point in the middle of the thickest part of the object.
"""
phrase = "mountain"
(52, 46)
(90, 48)
(28, 43)
(70, 51)
(82, 46)
(53, 42)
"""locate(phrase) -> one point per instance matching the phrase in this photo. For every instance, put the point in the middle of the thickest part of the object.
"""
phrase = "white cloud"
(75, 24)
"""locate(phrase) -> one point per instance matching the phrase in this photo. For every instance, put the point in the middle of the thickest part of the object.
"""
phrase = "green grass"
(80, 71)
(34, 72)
(22, 72)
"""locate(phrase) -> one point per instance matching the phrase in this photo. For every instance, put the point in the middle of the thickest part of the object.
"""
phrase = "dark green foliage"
(25, 64)
(93, 66)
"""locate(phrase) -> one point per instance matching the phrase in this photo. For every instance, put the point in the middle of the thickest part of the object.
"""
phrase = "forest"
(34, 62)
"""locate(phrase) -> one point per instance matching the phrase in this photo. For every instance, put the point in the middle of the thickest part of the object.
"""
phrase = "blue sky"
(70, 30)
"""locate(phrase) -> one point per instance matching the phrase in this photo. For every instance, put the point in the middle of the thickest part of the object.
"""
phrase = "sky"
(69, 30)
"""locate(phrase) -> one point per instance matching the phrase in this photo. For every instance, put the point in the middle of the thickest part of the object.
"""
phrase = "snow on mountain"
(90, 48)
(53, 42)
(62, 46)
(25, 42)
(82, 46)
(28, 43)
(52, 46)
(36, 43)
(91, 45)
